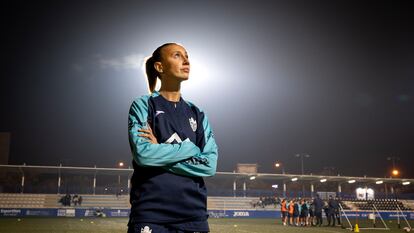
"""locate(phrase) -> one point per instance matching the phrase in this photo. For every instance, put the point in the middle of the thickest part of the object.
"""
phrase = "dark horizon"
(334, 80)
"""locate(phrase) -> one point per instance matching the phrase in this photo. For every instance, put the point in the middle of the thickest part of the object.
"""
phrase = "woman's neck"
(173, 96)
(171, 92)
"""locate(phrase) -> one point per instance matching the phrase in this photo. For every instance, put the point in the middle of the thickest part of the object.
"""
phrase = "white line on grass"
(246, 231)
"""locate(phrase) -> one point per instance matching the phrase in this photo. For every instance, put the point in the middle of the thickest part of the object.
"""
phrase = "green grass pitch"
(115, 225)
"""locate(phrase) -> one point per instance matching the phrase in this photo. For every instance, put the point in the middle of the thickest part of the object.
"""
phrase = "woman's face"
(175, 63)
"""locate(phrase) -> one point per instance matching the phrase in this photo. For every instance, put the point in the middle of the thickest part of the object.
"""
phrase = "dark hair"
(150, 70)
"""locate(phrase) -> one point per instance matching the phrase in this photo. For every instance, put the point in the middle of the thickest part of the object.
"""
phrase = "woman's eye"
(177, 55)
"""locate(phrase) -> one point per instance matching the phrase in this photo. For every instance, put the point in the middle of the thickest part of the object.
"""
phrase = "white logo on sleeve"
(158, 113)
(146, 229)
(193, 124)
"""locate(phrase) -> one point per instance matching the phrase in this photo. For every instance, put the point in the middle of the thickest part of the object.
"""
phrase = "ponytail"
(152, 73)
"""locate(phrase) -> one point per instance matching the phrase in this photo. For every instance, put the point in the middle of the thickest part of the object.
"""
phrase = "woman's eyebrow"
(180, 52)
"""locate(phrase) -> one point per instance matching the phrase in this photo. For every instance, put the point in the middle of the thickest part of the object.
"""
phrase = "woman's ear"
(158, 66)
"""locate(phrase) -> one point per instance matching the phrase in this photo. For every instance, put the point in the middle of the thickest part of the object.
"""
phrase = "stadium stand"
(50, 201)
(13, 200)
(380, 204)
(107, 201)
(234, 203)
(17, 200)
(408, 203)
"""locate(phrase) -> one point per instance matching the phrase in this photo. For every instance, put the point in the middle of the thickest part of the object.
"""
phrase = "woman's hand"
(147, 133)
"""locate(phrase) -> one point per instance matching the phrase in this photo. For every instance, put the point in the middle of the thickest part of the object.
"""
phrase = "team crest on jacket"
(193, 124)
(146, 229)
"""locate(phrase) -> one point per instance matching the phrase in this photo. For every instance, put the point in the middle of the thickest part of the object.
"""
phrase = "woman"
(304, 214)
(173, 148)
(311, 213)
(283, 210)
(291, 209)
(296, 212)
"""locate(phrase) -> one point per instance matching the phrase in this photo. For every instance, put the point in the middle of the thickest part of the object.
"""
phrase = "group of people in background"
(68, 199)
(304, 212)
(264, 201)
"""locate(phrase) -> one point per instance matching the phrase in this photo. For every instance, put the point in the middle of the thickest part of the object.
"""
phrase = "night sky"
(332, 79)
